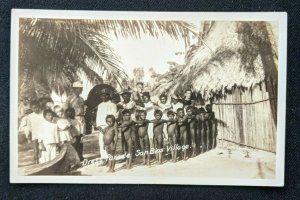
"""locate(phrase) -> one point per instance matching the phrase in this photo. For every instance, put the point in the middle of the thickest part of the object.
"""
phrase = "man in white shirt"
(175, 103)
(106, 107)
(164, 105)
(34, 121)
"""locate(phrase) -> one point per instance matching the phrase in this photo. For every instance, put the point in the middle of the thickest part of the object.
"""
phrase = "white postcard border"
(281, 17)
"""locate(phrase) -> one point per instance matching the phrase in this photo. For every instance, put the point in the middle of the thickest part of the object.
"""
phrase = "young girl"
(48, 137)
(63, 125)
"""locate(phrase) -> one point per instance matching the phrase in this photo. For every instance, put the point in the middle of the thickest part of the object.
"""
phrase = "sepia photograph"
(147, 97)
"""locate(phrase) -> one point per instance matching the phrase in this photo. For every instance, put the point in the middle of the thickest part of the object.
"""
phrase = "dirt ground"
(231, 162)
(217, 163)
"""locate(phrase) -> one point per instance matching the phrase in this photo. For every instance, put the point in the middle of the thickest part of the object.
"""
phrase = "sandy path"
(213, 164)
(216, 163)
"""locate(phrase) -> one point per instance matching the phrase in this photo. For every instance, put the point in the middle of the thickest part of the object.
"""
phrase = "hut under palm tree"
(235, 68)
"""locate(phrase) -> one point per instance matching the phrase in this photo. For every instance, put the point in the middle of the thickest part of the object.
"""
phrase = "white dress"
(64, 130)
(34, 122)
(48, 135)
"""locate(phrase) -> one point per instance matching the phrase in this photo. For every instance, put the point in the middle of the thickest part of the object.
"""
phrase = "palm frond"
(53, 45)
(242, 55)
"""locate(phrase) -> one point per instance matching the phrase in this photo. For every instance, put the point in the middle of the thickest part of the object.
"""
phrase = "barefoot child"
(172, 134)
(127, 132)
(191, 127)
(181, 127)
(158, 134)
(212, 134)
(142, 128)
(48, 137)
(164, 105)
(201, 129)
(34, 121)
(149, 107)
(110, 140)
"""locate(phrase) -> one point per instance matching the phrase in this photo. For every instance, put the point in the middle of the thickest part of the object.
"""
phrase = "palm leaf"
(62, 42)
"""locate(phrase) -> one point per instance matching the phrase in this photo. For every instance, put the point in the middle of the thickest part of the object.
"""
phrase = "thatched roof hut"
(235, 69)
(236, 53)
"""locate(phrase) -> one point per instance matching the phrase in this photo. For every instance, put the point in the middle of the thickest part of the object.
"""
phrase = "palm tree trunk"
(269, 63)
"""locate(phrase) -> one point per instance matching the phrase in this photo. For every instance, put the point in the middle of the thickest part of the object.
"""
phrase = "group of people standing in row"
(142, 125)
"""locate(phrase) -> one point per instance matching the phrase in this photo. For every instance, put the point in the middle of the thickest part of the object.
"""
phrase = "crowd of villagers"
(174, 126)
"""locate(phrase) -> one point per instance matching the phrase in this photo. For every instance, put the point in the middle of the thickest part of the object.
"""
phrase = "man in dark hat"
(127, 102)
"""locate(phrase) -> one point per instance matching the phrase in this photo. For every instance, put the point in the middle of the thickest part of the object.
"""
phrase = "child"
(188, 99)
(48, 137)
(191, 127)
(63, 125)
(127, 132)
(142, 128)
(164, 106)
(172, 134)
(75, 130)
(211, 129)
(158, 134)
(201, 129)
(175, 103)
(106, 107)
(148, 104)
(59, 112)
(34, 121)
(181, 127)
(110, 139)
(149, 107)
